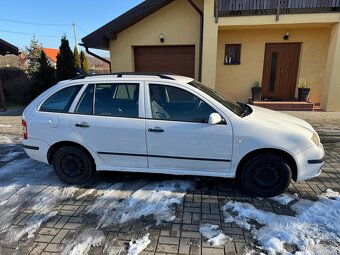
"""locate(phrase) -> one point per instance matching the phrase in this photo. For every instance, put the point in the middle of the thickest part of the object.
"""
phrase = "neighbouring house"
(5, 49)
(97, 66)
(230, 44)
(51, 55)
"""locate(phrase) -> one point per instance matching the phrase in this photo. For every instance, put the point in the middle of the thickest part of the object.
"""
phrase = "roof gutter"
(201, 38)
(95, 55)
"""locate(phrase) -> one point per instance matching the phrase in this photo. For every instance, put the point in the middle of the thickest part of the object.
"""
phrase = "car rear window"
(61, 101)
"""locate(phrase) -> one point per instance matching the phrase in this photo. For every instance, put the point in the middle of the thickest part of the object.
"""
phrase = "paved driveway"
(121, 213)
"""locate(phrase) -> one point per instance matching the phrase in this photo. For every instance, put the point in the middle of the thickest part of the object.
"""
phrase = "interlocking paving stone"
(38, 249)
(201, 205)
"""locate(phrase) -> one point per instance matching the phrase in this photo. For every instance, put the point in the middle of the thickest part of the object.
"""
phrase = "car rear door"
(179, 138)
(107, 118)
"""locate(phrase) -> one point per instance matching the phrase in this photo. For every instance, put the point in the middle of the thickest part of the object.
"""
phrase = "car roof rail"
(160, 75)
(121, 74)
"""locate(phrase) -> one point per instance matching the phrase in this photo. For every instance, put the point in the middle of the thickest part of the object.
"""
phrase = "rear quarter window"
(61, 101)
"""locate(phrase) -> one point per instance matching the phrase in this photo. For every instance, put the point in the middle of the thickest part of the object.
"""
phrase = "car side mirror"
(214, 119)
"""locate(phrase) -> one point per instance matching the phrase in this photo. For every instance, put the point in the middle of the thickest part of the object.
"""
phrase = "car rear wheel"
(72, 165)
(266, 175)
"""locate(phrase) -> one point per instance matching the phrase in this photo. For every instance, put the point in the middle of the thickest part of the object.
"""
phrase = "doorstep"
(286, 105)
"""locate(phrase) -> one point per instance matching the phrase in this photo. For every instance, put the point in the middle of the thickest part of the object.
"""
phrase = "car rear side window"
(117, 100)
(61, 101)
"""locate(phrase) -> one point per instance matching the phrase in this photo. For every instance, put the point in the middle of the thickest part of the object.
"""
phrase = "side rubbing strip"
(162, 156)
(31, 147)
(316, 161)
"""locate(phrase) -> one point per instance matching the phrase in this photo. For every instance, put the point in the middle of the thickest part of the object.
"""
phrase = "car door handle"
(82, 125)
(156, 130)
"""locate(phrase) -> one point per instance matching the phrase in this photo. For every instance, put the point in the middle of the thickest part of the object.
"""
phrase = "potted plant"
(303, 91)
(256, 91)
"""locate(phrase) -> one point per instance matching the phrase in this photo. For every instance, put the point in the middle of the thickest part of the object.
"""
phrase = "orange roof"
(51, 53)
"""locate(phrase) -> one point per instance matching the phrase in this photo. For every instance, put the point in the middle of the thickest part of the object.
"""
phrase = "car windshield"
(236, 108)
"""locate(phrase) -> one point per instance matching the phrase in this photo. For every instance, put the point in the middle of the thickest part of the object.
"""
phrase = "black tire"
(72, 165)
(266, 175)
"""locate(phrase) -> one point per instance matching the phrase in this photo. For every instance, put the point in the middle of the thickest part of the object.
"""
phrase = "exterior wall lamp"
(286, 36)
(161, 38)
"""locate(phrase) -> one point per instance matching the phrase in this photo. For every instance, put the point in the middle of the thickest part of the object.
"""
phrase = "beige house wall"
(235, 81)
(331, 93)
(210, 38)
(180, 24)
(178, 21)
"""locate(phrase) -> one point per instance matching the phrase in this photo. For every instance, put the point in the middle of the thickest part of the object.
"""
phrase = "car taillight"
(24, 129)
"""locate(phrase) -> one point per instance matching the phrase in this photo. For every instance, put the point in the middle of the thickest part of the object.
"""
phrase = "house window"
(232, 54)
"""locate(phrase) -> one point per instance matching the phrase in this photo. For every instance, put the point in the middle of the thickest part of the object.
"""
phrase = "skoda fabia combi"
(166, 124)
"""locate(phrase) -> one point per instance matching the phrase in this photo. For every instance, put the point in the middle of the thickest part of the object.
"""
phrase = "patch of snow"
(112, 247)
(252, 252)
(5, 140)
(209, 230)
(285, 199)
(220, 239)
(10, 156)
(136, 247)
(238, 220)
(331, 194)
(121, 204)
(156, 199)
(83, 242)
(215, 236)
(5, 125)
(315, 228)
(30, 185)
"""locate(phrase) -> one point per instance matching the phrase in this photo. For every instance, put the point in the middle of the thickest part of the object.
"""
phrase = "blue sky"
(88, 16)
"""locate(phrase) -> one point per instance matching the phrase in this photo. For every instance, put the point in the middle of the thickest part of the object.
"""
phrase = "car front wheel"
(72, 165)
(266, 175)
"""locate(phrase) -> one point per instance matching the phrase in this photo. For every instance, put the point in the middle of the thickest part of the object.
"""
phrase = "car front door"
(107, 118)
(179, 138)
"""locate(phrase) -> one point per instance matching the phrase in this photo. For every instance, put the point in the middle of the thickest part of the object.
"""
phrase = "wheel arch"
(52, 150)
(278, 152)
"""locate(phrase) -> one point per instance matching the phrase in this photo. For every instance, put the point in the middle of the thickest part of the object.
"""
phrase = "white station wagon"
(158, 123)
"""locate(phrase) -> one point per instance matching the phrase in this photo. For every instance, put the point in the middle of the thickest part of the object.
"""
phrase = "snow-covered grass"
(136, 247)
(314, 230)
(215, 236)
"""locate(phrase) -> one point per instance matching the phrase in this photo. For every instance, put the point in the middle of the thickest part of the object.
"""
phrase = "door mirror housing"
(214, 119)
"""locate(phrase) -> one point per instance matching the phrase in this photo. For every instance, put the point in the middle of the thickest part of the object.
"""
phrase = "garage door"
(166, 59)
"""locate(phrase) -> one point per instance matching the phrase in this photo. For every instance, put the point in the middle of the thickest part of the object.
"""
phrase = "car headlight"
(315, 138)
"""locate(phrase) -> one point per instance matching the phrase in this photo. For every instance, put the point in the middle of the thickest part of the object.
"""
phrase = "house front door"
(281, 64)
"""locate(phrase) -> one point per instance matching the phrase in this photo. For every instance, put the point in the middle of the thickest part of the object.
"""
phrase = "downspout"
(96, 56)
(201, 38)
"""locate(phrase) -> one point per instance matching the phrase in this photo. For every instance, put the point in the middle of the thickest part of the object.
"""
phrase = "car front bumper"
(310, 162)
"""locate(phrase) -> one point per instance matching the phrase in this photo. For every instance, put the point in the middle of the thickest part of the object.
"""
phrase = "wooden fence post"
(3, 107)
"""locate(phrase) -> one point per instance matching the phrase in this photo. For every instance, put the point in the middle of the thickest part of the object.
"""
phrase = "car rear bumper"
(36, 149)
(310, 162)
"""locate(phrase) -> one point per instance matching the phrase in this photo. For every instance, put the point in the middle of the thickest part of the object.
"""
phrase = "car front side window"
(175, 104)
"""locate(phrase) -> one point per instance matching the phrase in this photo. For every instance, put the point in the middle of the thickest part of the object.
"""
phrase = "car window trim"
(141, 118)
